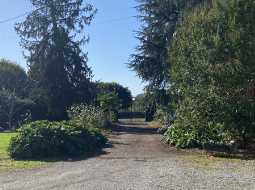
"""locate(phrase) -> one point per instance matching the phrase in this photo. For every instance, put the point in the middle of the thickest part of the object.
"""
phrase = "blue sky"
(112, 39)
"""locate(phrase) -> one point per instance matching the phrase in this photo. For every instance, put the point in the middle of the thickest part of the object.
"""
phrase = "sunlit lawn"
(8, 164)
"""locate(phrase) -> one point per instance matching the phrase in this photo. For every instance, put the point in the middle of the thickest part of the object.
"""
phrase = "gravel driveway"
(136, 160)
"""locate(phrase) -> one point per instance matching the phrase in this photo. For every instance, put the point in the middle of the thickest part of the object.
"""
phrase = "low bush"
(44, 139)
(88, 115)
(193, 126)
(188, 137)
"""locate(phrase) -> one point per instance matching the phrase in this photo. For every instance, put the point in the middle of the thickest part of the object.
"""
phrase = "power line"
(99, 22)
(14, 18)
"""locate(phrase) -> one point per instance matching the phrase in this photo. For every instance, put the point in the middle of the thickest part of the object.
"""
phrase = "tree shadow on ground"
(130, 122)
(97, 153)
(238, 154)
(132, 128)
(117, 129)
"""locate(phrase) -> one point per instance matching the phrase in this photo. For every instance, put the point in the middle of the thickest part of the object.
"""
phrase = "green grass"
(8, 164)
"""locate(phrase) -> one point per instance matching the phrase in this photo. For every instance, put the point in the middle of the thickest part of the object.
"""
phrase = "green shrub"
(165, 115)
(212, 72)
(198, 122)
(88, 115)
(44, 139)
(192, 137)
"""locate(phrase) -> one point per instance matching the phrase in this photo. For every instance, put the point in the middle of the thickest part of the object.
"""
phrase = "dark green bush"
(196, 125)
(212, 72)
(44, 139)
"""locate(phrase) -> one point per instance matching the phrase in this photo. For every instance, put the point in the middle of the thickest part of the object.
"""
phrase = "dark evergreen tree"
(159, 20)
(52, 36)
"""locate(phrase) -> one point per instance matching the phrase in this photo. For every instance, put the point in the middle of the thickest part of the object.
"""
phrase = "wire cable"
(99, 22)
(14, 18)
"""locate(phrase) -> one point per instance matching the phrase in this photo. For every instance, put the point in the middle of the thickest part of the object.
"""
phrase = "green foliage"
(123, 94)
(14, 105)
(5, 139)
(6, 163)
(40, 109)
(52, 35)
(213, 73)
(139, 103)
(13, 78)
(165, 116)
(193, 126)
(13, 110)
(88, 115)
(110, 104)
(112, 97)
(159, 19)
(43, 139)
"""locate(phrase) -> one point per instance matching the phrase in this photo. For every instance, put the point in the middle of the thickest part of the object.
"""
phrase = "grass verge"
(204, 160)
(8, 164)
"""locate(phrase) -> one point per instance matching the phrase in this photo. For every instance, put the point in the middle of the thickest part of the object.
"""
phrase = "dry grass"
(154, 124)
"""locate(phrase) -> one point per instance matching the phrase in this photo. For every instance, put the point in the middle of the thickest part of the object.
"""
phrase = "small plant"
(44, 139)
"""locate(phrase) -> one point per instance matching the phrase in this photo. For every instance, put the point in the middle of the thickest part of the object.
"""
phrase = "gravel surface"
(136, 160)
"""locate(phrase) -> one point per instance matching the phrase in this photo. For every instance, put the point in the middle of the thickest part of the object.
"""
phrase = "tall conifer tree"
(52, 36)
(159, 19)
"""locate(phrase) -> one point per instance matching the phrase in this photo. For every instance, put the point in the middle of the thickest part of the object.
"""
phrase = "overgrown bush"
(193, 126)
(213, 73)
(165, 116)
(88, 115)
(44, 139)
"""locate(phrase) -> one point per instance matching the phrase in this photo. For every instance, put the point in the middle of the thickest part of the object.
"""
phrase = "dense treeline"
(203, 55)
(14, 101)
(57, 66)
(57, 107)
(159, 20)
(19, 104)
(58, 75)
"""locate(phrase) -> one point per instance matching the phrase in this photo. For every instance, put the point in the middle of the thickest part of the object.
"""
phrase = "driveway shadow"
(132, 128)
(97, 153)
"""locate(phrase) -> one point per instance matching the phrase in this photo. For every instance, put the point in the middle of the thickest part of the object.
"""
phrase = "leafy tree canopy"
(13, 78)
(13, 109)
(123, 94)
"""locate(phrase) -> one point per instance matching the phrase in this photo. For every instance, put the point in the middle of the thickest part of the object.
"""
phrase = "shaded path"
(136, 160)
